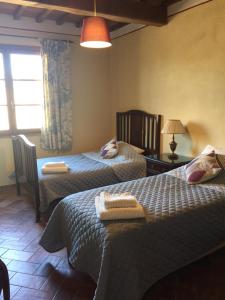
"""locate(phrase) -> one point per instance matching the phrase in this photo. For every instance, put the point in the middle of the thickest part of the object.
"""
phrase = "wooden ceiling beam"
(116, 26)
(116, 10)
(78, 23)
(61, 20)
(170, 2)
(43, 16)
(18, 12)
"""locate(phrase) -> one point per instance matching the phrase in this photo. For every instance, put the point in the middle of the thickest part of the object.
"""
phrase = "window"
(21, 89)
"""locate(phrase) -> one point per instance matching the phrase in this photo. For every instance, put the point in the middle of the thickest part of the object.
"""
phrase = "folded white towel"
(48, 170)
(118, 200)
(117, 213)
(54, 164)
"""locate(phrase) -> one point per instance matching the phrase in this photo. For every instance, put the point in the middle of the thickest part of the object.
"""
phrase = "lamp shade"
(173, 127)
(95, 33)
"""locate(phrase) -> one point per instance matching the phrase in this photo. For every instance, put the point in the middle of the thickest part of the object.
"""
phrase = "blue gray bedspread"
(88, 171)
(183, 222)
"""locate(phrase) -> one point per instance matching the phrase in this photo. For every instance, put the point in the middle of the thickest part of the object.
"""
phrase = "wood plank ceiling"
(118, 12)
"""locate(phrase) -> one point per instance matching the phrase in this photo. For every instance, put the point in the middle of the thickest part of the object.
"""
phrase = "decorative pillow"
(110, 150)
(209, 149)
(220, 154)
(202, 168)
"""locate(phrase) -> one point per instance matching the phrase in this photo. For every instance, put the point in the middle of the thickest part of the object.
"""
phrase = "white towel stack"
(118, 206)
(55, 167)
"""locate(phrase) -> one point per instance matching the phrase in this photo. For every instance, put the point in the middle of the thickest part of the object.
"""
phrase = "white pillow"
(209, 148)
(138, 150)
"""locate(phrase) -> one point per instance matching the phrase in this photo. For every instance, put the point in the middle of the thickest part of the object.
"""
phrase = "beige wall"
(92, 109)
(178, 71)
(91, 106)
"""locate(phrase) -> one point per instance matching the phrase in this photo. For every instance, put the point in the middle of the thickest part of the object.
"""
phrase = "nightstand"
(157, 164)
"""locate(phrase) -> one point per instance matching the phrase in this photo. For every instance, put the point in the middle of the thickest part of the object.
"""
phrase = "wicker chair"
(4, 281)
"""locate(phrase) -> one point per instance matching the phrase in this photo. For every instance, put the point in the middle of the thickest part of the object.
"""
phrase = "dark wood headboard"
(140, 129)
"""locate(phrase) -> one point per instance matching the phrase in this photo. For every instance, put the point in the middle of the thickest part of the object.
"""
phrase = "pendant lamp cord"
(95, 8)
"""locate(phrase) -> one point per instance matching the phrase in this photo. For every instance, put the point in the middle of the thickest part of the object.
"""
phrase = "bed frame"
(140, 129)
(134, 127)
(26, 172)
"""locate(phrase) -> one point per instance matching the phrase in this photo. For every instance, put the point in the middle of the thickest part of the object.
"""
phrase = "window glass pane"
(28, 92)
(4, 120)
(2, 92)
(26, 66)
(2, 73)
(28, 117)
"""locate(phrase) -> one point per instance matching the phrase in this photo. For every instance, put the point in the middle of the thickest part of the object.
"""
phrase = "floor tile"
(22, 267)
(33, 246)
(5, 260)
(13, 290)
(14, 245)
(29, 281)
(61, 253)
(39, 256)
(10, 235)
(2, 251)
(26, 293)
(17, 255)
(11, 274)
(48, 265)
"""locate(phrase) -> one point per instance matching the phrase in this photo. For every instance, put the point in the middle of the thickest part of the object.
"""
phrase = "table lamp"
(173, 127)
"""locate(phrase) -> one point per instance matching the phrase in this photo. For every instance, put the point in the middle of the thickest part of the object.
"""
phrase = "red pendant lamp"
(94, 32)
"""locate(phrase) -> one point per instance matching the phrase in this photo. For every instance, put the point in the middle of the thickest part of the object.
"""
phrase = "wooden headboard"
(140, 129)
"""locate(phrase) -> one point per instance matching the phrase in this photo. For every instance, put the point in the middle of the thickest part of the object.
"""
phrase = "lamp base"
(173, 146)
(173, 156)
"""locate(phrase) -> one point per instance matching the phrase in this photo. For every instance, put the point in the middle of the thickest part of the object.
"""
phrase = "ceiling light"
(94, 32)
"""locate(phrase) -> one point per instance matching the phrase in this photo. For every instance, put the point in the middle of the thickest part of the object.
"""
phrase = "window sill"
(8, 133)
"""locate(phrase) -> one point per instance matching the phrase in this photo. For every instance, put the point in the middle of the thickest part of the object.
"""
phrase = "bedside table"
(157, 164)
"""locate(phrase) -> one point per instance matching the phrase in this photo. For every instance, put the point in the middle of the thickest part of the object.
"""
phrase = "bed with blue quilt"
(182, 223)
(88, 170)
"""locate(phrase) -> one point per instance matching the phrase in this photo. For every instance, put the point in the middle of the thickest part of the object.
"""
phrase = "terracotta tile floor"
(36, 274)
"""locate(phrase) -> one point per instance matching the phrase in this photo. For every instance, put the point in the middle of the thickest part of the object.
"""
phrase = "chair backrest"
(25, 160)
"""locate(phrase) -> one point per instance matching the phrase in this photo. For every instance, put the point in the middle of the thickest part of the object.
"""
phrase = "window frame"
(6, 50)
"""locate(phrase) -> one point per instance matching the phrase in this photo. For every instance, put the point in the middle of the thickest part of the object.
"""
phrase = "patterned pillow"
(110, 150)
(202, 168)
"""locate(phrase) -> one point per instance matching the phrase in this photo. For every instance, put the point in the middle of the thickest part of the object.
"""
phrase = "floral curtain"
(56, 133)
